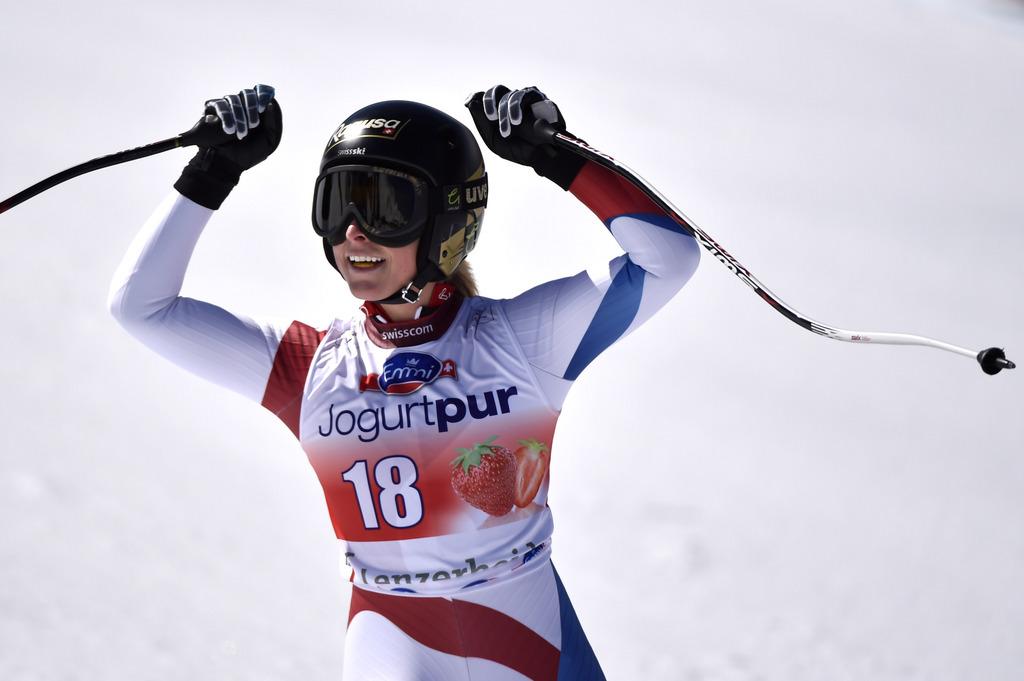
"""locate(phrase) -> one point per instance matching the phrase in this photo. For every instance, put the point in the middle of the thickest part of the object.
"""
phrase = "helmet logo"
(476, 194)
(381, 128)
(453, 198)
(354, 151)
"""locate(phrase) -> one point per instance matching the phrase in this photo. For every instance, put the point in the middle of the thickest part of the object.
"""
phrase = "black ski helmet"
(422, 141)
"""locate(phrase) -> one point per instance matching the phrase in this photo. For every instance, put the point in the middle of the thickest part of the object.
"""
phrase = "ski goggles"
(390, 206)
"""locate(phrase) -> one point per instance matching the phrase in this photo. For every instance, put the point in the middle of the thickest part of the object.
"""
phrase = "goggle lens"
(388, 205)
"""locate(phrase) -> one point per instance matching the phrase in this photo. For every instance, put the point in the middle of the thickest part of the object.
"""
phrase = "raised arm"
(264, 361)
(229, 349)
(562, 325)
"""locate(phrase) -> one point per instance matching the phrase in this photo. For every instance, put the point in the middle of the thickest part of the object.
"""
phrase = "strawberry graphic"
(532, 460)
(485, 476)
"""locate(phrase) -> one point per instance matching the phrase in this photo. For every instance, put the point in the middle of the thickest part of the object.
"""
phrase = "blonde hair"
(463, 280)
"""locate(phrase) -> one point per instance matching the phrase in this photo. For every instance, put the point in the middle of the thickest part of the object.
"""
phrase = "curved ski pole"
(992, 360)
(206, 131)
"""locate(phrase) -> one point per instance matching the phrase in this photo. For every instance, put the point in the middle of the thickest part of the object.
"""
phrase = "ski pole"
(992, 360)
(206, 132)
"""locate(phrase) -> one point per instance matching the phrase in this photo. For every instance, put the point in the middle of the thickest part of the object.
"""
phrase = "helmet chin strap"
(410, 293)
(426, 271)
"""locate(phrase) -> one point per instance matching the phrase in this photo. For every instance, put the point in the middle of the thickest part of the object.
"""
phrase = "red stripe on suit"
(464, 629)
(288, 375)
(609, 195)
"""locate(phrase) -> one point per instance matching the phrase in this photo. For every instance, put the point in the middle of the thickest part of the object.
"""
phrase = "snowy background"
(823, 511)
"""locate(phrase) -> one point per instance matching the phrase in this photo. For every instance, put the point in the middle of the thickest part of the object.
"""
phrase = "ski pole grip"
(544, 132)
(205, 133)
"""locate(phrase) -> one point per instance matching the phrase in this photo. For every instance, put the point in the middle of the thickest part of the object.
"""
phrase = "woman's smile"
(365, 262)
(373, 271)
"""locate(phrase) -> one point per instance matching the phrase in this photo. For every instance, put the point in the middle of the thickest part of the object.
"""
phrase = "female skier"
(428, 416)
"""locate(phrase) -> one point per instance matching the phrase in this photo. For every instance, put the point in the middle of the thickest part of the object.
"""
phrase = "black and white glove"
(251, 121)
(505, 118)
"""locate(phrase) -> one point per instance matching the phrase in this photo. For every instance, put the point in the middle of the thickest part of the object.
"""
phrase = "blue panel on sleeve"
(657, 219)
(614, 315)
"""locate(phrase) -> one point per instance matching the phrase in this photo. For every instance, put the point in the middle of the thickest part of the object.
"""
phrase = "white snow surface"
(765, 504)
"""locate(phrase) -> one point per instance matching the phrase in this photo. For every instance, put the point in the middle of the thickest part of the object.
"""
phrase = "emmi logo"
(407, 372)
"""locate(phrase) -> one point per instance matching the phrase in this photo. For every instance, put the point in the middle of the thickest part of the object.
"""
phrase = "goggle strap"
(464, 196)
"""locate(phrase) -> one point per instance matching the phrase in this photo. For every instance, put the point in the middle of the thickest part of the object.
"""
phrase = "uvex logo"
(477, 193)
